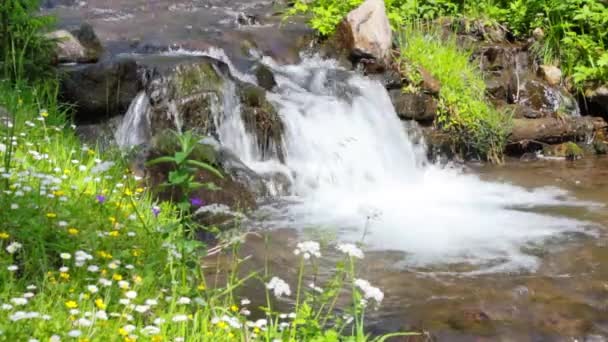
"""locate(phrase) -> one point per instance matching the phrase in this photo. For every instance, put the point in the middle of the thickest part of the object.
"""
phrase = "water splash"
(135, 126)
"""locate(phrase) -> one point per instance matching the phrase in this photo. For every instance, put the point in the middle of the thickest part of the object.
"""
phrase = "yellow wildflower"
(117, 277)
(137, 279)
(51, 215)
(222, 325)
(4, 235)
(58, 193)
(128, 192)
(139, 190)
(70, 304)
(64, 276)
(122, 332)
(129, 339)
(114, 233)
(86, 296)
(73, 231)
(201, 287)
(112, 219)
(230, 335)
(44, 113)
(83, 340)
(66, 172)
(100, 304)
(157, 338)
(91, 152)
(136, 252)
(234, 308)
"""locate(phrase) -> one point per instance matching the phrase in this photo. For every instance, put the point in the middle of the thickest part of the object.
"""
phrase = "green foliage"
(24, 52)
(182, 176)
(477, 129)
(575, 30)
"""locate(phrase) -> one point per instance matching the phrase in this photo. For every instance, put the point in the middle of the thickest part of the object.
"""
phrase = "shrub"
(24, 52)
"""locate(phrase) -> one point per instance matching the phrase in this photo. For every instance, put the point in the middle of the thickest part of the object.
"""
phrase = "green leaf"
(160, 160)
(205, 166)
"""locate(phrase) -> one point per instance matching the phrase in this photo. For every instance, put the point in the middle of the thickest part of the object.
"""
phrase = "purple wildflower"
(155, 211)
(101, 198)
(196, 202)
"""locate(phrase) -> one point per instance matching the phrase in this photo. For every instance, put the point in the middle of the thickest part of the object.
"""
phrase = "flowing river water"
(515, 252)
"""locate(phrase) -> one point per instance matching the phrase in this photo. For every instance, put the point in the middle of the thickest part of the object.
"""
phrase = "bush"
(24, 52)
(476, 128)
(575, 30)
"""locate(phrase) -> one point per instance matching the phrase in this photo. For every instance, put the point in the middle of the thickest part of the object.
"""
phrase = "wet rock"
(233, 166)
(551, 130)
(569, 151)
(390, 79)
(245, 19)
(69, 49)
(549, 100)
(88, 38)
(265, 77)
(99, 134)
(472, 320)
(366, 33)
(102, 90)
(262, 119)
(414, 106)
(551, 74)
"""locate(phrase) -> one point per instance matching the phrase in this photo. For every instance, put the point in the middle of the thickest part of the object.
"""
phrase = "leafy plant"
(185, 168)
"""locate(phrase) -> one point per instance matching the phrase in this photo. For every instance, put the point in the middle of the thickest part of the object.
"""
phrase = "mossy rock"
(193, 79)
(568, 150)
(262, 119)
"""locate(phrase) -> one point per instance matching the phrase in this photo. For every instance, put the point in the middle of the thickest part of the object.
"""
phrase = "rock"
(102, 90)
(414, 106)
(366, 32)
(549, 100)
(69, 49)
(89, 40)
(262, 119)
(551, 74)
(568, 150)
(194, 93)
(245, 19)
(390, 79)
(538, 34)
(551, 130)
(265, 77)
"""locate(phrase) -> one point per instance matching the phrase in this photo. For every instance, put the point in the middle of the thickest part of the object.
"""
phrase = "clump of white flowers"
(351, 250)
(279, 287)
(308, 249)
(369, 291)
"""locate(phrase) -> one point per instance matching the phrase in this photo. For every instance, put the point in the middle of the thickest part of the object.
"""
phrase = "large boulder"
(79, 46)
(99, 91)
(554, 130)
(596, 102)
(366, 32)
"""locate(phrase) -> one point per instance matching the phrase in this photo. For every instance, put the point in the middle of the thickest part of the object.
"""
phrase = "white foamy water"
(351, 158)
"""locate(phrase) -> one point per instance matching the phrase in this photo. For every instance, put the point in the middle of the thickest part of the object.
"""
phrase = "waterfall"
(353, 169)
(135, 126)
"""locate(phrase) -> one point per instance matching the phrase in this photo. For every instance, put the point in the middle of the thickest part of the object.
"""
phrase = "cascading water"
(349, 158)
(135, 126)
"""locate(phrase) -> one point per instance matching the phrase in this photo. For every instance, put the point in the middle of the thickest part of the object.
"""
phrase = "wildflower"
(101, 199)
(279, 286)
(234, 308)
(369, 291)
(63, 269)
(159, 321)
(201, 287)
(12, 268)
(131, 294)
(123, 284)
(6, 307)
(141, 308)
(93, 268)
(184, 300)
(83, 322)
(19, 301)
(13, 247)
(245, 301)
(55, 338)
(117, 277)
(64, 276)
(100, 304)
(28, 295)
(65, 256)
(114, 233)
(150, 330)
(74, 333)
(308, 249)
(44, 113)
(179, 318)
(92, 288)
(101, 315)
(14, 206)
(196, 202)
(4, 236)
(70, 304)
(51, 215)
(155, 211)
(351, 250)
(73, 231)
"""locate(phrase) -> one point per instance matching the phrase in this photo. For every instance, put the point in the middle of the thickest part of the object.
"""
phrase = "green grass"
(476, 128)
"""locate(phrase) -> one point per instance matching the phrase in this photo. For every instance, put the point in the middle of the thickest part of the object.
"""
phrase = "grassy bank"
(476, 128)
